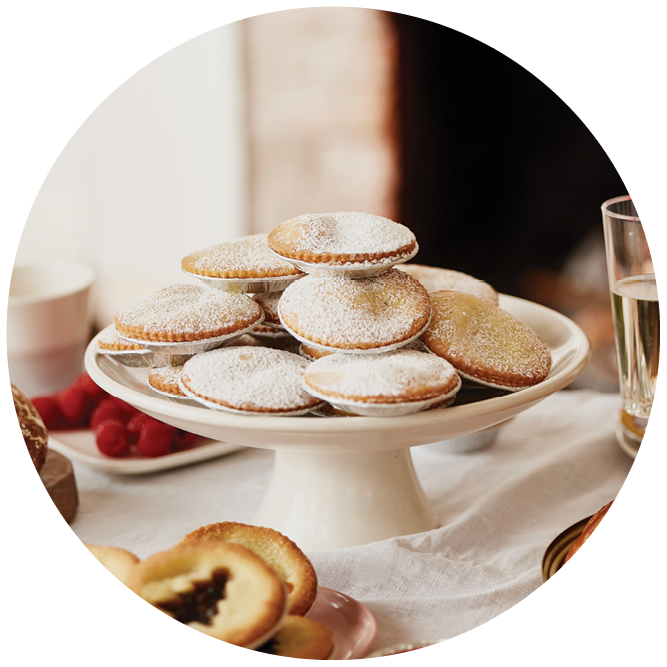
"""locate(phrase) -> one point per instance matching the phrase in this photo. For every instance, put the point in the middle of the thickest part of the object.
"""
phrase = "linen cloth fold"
(498, 508)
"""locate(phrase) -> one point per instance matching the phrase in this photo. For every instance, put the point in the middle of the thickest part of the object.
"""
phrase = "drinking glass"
(634, 301)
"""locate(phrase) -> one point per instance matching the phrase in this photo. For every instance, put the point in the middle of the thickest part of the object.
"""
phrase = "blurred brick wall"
(321, 113)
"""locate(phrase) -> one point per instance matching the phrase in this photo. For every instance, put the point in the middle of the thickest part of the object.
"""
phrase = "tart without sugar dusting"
(300, 637)
(222, 590)
(342, 238)
(34, 432)
(399, 376)
(368, 314)
(119, 562)
(435, 279)
(180, 313)
(485, 343)
(278, 551)
(256, 380)
(247, 257)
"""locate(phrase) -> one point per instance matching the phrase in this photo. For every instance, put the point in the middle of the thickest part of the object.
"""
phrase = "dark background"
(499, 176)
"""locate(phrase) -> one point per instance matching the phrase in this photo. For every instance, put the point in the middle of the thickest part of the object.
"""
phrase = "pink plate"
(353, 626)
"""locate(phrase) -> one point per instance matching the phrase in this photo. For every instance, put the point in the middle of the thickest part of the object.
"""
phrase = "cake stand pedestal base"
(329, 500)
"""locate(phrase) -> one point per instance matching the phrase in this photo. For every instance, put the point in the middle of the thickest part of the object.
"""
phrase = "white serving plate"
(80, 446)
(327, 470)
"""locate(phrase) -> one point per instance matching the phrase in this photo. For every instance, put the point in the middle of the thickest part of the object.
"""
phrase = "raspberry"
(127, 409)
(184, 439)
(48, 409)
(105, 410)
(112, 438)
(155, 439)
(88, 386)
(73, 404)
(136, 425)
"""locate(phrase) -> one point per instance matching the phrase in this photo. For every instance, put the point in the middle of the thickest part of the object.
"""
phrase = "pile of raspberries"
(119, 427)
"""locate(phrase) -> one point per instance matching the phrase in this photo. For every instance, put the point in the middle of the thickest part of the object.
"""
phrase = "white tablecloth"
(499, 509)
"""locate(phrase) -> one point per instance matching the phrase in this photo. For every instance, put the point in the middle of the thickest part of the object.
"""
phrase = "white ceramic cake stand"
(345, 481)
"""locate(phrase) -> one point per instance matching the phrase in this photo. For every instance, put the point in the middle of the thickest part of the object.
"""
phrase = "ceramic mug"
(48, 324)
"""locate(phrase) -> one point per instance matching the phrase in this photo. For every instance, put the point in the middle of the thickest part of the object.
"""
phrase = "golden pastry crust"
(247, 257)
(312, 353)
(400, 376)
(109, 341)
(301, 637)
(165, 379)
(119, 562)
(269, 304)
(34, 432)
(592, 524)
(220, 589)
(435, 279)
(274, 548)
(485, 343)
(250, 379)
(180, 313)
(364, 314)
(342, 238)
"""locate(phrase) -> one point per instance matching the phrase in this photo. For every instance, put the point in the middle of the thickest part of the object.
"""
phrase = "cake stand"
(345, 481)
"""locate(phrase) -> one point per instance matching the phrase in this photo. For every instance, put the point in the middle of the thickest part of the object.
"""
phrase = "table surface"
(498, 508)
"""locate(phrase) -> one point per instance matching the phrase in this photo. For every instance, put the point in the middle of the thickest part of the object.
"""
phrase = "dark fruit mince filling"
(199, 604)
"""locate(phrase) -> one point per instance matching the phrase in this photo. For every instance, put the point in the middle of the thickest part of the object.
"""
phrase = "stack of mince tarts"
(245, 585)
(325, 315)
(355, 314)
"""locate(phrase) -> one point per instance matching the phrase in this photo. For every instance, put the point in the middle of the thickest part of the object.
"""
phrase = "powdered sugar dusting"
(400, 375)
(349, 233)
(248, 378)
(165, 378)
(246, 257)
(269, 303)
(186, 312)
(108, 339)
(435, 279)
(485, 342)
(349, 314)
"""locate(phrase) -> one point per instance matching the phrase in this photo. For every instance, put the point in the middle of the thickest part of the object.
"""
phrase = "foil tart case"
(247, 285)
(186, 349)
(351, 270)
(223, 408)
(277, 331)
(185, 400)
(367, 409)
(130, 358)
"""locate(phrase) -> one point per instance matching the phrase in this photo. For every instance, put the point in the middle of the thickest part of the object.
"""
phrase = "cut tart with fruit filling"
(283, 555)
(485, 343)
(222, 590)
